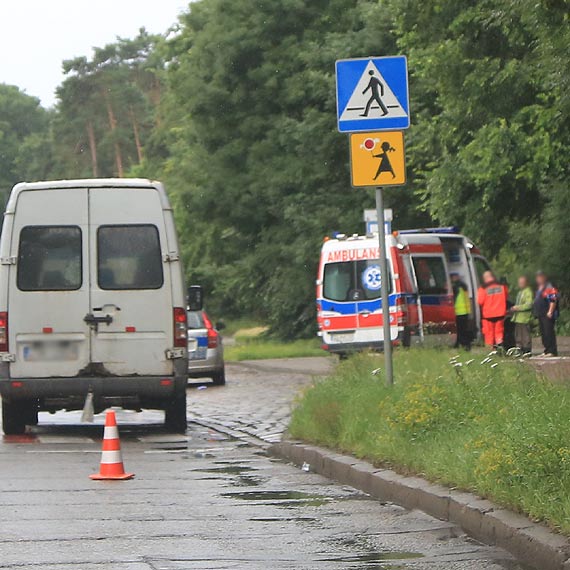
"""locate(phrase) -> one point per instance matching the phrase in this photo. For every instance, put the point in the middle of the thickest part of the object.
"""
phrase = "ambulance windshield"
(353, 281)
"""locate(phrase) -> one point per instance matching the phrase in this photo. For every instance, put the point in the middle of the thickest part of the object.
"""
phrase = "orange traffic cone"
(111, 458)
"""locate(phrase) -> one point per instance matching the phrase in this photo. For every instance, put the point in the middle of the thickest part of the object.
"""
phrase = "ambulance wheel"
(14, 418)
(175, 417)
(407, 338)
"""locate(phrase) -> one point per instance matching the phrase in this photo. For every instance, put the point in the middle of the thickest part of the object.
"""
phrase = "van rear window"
(431, 275)
(129, 257)
(49, 258)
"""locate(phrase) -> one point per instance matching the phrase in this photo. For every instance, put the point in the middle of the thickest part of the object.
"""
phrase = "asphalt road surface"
(207, 500)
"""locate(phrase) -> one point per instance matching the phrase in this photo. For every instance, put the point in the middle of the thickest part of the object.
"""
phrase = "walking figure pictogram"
(376, 88)
(385, 164)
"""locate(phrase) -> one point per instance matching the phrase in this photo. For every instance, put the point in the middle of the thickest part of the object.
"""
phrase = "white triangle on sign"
(364, 96)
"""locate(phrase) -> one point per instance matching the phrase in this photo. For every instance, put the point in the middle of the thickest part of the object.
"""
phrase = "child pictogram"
(385, 164)
(377, 159)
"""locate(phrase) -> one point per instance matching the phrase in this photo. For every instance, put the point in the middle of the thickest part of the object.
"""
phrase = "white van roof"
(86, 183)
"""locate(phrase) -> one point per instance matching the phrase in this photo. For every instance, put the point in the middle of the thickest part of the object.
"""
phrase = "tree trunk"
(92, 148)
(113, 125)
(155, 96)
(136, 134)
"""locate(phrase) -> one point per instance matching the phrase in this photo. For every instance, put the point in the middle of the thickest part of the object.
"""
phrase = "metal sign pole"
(385, 288)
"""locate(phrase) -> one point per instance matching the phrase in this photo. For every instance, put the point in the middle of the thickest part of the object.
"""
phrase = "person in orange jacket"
(492, 298)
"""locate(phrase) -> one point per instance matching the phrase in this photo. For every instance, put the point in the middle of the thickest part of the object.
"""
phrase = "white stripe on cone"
(110, 457)
(111, 432)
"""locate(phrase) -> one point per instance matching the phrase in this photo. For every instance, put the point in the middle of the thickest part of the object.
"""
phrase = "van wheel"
(219, 378)
(175, 418)
(14, 418)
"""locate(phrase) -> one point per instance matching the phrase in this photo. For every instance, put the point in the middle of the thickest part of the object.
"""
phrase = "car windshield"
(196, 320)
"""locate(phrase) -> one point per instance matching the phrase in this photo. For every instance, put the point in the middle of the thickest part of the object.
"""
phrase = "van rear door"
(49, 284)
(131, 307)
(434, 288)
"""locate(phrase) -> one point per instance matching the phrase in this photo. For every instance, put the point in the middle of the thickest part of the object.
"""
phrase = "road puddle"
(227, 470)
(281, 498)
(375, 557)
(284, 519)
(242, 473)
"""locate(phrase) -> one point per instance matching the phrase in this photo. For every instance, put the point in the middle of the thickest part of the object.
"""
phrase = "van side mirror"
(195, 298)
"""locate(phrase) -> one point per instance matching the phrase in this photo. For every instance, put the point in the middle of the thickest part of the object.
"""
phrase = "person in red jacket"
(492, 298)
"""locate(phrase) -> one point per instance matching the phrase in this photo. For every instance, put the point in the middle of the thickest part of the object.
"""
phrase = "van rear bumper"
(69, 393)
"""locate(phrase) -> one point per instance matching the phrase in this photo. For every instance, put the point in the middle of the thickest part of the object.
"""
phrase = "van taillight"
(3, 332)
(180, 327)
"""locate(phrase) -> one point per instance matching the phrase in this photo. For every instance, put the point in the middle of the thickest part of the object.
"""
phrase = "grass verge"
(234, 326)
(490, 426)
(260, 348)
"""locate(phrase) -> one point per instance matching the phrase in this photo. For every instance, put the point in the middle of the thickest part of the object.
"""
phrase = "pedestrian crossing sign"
(372, 94)
(377, 159)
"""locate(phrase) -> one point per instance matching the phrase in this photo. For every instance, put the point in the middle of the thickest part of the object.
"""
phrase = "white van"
(92, 300)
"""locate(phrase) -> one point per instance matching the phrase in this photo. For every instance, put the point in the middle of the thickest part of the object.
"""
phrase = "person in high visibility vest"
(492, 298)
(462, 312)
(522, 314)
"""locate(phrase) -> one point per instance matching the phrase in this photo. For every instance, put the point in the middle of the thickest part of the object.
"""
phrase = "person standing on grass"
(545, 309)
(492, 298)
(462, 312)
(522, 313)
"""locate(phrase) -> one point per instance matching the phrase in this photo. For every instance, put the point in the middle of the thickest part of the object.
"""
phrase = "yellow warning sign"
(378, 159)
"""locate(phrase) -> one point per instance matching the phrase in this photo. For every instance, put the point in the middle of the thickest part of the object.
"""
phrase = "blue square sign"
(372, 94)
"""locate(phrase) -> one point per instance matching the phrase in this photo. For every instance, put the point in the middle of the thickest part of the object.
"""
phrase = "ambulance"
(420, 264)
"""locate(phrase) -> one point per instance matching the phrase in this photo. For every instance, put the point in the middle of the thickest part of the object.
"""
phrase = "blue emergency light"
(444, 230)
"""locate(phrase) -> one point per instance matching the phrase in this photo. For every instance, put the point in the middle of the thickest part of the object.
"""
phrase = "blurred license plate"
(342, 337)
(50, 351)
(198, 354)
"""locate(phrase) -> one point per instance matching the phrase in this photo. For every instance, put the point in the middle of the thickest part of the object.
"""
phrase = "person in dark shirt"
(545, 309)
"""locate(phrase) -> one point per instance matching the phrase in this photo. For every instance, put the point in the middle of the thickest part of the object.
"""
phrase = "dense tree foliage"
(236, 112)
(22, 121)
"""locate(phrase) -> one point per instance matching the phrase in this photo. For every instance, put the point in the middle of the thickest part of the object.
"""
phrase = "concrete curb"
(529, 542)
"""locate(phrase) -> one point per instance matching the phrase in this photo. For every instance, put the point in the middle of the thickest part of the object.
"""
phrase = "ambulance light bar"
(445, 230)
